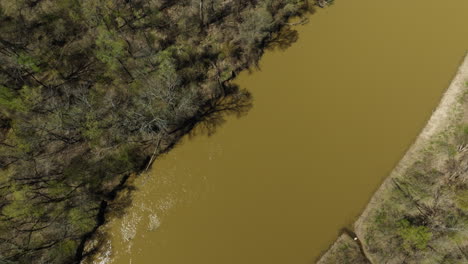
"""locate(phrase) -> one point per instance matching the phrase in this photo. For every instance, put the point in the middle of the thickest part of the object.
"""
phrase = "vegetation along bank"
(420, 213)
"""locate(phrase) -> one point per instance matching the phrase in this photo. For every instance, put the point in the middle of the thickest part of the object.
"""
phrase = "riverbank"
(99, 98)
(228, 100)
(420, 209)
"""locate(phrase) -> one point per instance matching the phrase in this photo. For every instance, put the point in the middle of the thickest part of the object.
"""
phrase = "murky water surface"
(332, 115)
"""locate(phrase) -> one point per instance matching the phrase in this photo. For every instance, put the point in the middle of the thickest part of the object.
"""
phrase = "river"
(331, 117)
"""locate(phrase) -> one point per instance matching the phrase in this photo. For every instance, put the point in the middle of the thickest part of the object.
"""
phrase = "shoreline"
(91, 245)
(440, 120)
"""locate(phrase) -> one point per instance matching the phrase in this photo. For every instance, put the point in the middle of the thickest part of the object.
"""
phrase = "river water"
(332, 115)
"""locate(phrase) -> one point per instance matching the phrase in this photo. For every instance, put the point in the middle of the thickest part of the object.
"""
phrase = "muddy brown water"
(332, 115)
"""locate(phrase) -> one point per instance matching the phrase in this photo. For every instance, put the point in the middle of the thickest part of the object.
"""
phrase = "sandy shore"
(442, 118)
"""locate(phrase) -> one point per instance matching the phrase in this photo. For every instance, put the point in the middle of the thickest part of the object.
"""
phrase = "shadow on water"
(283, 39)
(234, 102)
(287, 35)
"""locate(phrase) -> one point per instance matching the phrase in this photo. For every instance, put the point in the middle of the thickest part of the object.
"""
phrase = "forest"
(92, 91)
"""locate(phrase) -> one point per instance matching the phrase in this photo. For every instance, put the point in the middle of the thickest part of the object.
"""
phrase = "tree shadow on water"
(288, 35)
(283, 39)
(232, 101)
